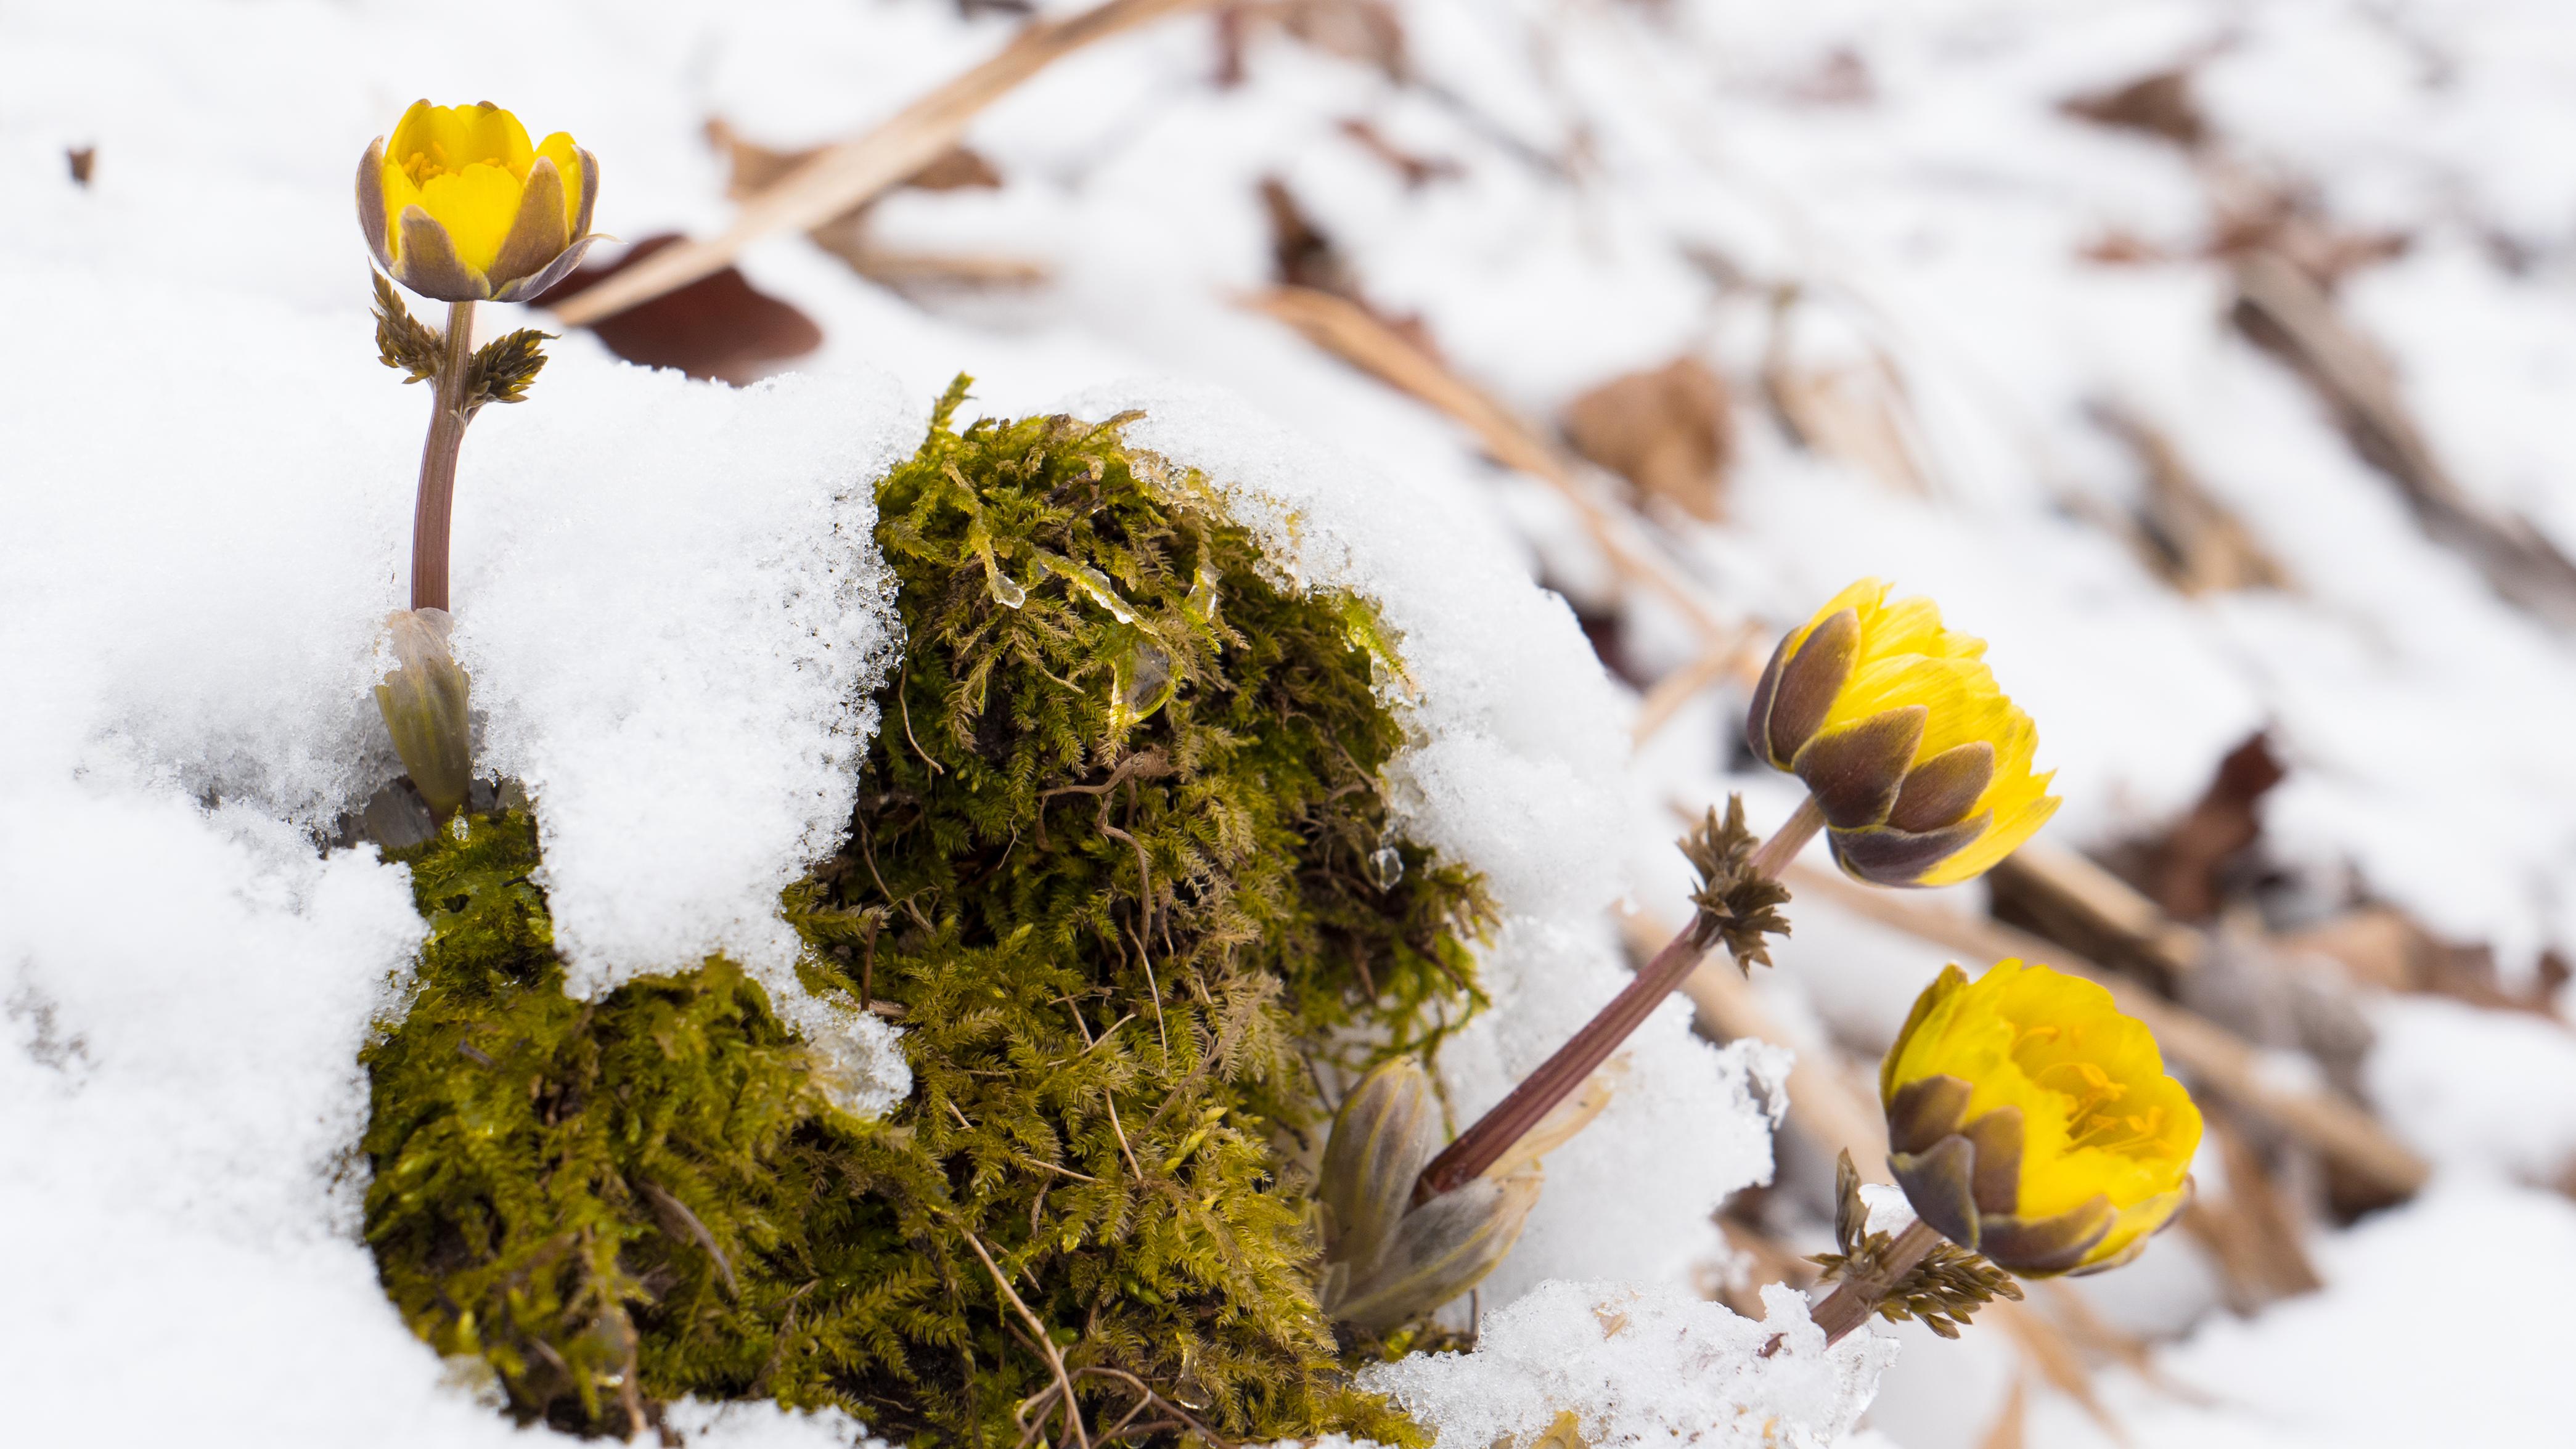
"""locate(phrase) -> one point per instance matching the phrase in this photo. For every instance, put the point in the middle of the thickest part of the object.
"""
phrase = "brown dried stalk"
(843, 176)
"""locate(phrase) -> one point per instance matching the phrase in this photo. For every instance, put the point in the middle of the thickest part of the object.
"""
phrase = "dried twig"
(672, 1208)
(2281, 307)
(1350, 332)
(1045, 1345)
(1734, 654)
(841, 177)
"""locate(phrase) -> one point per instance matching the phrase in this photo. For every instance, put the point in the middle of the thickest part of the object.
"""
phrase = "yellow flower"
(2030, 1120)
(1921, 765)
(458, 206)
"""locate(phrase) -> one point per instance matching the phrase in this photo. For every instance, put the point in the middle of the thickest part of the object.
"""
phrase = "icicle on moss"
(1122, 869)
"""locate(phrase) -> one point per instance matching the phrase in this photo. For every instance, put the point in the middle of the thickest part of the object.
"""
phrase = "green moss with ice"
(1123, 869)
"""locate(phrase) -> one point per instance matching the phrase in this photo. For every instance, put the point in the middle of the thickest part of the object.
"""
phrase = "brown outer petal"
(1943, 789)
(371, 201)
(537, 234)
(537, 283)
(1809, 680)
(1997, 1177)
(1855, 771)
(1757, 719)
(589, 192)
(1924, 1111)
(1937, 1184)
(2181, 1196)
(1890, 857)
(429, 263)
(2040, 1247)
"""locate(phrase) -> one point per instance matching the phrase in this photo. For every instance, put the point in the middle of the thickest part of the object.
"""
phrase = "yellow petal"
(2099, 1113)
(476, 206)
(411, 133)
(443, 140)
(399, 193)
(559, 149)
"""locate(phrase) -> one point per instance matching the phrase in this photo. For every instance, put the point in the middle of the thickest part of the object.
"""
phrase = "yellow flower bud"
(458, 206)
(1919, 763)
(2031, 1121)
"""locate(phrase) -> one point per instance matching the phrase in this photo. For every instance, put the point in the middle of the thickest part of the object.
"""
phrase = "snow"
(672, 631)
(1636, 1367)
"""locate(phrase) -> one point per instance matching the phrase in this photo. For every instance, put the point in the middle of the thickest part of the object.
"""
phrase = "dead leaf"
(2183, 868)
(2160, 105)
(717, 327)
(2182, 533)
(1671, 432)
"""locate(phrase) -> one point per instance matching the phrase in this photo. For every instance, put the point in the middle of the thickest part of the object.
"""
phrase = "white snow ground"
(206, 485)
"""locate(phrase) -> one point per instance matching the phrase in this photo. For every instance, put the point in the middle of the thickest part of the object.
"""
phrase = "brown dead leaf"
(2160, 105)
(717, 327)
(1670, 432)
(2182, 533)
(2183, 868)
(2383, 947)
(2283, 308)
(1303, 254)
(1366, 31)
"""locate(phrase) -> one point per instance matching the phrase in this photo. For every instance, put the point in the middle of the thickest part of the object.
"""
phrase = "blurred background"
(2211, 358)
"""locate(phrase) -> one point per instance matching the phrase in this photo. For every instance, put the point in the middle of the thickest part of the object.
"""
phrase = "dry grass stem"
(1355, 335)
(844, 176)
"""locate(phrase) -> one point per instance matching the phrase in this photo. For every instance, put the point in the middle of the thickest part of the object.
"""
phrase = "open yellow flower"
(1920, 764)
(2030, 1120)
(458, 206)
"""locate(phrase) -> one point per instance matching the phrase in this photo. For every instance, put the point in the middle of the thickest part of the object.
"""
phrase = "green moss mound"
(1120, 868)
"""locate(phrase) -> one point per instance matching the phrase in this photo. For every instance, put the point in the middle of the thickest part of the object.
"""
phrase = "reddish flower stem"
(437, 500)
(1854, 1299)
(1484, 1144)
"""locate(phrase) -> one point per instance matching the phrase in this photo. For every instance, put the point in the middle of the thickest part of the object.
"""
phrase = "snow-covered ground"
(1883, 209)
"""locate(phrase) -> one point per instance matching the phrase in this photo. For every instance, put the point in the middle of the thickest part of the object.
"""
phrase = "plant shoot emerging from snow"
(460, 208)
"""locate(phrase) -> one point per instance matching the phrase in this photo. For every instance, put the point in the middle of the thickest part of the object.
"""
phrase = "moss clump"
(1120, 867)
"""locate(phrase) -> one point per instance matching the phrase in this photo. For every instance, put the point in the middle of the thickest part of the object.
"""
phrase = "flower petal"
(1890, 857)
(1943, 987)
(1856, 771)
(1809, 681)
(1924, 1112)
(373, 219)
(2003, 839)
(1937, 1184)
(1943, 789)
(2129, 1234)
(477, 206)
(529, 288)
(2040, 1247)
(1997, 1180)
(537, 235)
(427, 262)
